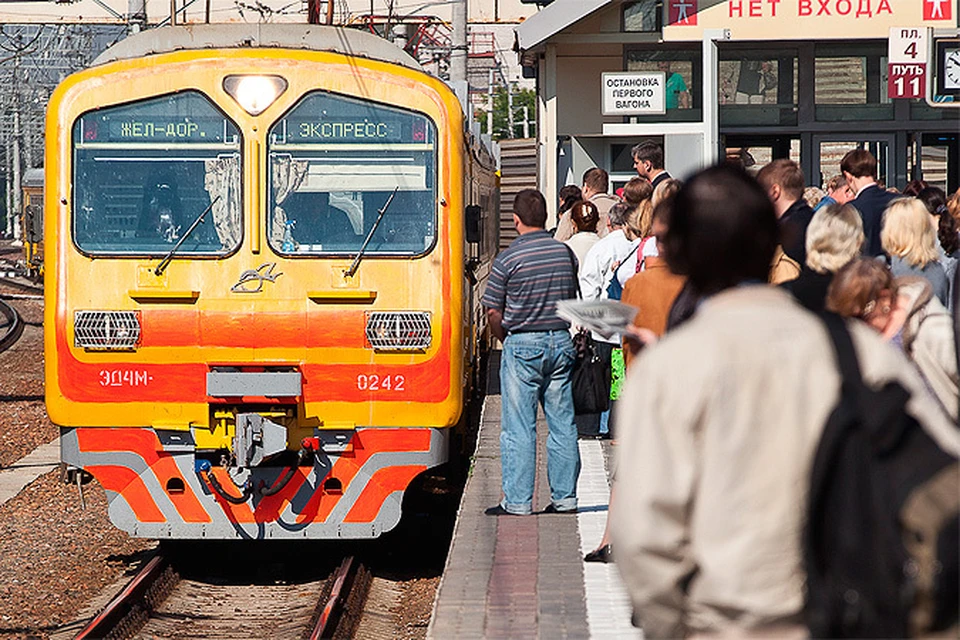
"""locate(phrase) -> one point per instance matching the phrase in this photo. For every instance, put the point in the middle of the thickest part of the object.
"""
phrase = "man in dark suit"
(783, 181)
(859, 167)
(648, 161)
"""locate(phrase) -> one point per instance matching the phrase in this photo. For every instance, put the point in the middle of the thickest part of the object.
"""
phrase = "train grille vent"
(399, 330)
(106, 329)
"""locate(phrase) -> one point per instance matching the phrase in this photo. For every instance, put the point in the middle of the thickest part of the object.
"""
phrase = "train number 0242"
(374, 382)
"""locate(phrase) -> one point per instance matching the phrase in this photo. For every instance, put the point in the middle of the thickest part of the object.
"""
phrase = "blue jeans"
(535, 369)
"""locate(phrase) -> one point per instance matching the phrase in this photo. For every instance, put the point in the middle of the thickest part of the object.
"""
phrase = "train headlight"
(399, 330)
(106, 330)
(254, 93)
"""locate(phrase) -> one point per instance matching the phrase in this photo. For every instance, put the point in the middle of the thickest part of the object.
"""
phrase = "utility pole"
(137, 15)
(490, 103)
(513, 132)
(526, 121)
(8, 230)
(458, 48)
(17, 178)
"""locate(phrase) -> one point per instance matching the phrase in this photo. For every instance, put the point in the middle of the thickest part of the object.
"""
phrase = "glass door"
(940, 160)
(828, 151)
(752, 152)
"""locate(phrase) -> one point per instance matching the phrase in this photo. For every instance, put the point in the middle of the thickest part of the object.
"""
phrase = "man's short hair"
(597, 179)
(723, 230)
(785, 173)
(531, 207)
(649, 151)
(859, 163)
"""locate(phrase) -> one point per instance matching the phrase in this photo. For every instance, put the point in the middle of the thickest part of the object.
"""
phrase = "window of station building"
(850, 83)
(642, 16)
(757, 87)
(682, 68)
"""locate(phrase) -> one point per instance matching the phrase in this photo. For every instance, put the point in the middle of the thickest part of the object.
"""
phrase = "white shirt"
(596, 272)
(648, 247)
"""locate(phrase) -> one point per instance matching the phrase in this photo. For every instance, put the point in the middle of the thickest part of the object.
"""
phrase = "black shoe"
(603, 554)
(552, 509)
(500, 511)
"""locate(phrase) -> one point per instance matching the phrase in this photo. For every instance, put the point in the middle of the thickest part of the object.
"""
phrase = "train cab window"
(334, 163)
(144, 172)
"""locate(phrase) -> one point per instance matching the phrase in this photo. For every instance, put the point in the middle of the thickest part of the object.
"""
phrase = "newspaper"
(607, 317)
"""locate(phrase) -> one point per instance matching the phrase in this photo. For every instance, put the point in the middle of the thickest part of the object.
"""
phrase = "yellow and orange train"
(265, 246)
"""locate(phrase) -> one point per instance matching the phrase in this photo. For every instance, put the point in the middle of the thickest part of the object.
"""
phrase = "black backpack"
(881, 538)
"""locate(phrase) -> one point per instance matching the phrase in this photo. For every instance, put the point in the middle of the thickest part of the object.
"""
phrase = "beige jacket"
(718, 424)
(928, 340)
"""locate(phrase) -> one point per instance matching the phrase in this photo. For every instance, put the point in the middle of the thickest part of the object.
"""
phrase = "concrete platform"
(41, 460)
(524, 577)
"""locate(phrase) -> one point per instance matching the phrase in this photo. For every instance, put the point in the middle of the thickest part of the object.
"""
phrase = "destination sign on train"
(359, 130)
(153, 129)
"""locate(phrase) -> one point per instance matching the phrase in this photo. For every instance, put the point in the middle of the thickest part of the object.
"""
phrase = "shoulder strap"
(573, 268)
(846, 355)
(625, 258)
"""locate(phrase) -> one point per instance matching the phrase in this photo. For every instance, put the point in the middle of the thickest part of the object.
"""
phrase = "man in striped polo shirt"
(528, 279)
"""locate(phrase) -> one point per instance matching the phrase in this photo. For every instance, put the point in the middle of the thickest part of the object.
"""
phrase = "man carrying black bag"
(526, 282)
(720, 422)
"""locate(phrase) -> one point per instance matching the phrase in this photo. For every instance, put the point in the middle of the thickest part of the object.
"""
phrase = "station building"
(751, 79)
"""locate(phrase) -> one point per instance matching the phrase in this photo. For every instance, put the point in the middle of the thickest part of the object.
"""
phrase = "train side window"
(334, 163)
(144, 171)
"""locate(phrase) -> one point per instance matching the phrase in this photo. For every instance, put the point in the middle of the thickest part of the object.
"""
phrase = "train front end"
(254, 319)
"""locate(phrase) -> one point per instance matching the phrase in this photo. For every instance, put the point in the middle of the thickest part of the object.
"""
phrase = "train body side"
(256, 335)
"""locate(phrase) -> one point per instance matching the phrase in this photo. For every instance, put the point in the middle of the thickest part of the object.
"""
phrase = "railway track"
(158, 603)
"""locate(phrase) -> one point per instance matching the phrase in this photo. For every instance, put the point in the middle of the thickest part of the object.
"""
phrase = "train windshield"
(145, 171)
(335, 161)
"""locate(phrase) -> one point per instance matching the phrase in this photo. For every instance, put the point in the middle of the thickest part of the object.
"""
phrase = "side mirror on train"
(472, 219)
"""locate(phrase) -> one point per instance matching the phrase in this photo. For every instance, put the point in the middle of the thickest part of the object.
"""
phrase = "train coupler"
(256, 438)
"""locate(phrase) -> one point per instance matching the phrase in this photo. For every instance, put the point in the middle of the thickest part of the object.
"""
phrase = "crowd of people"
(731, 375)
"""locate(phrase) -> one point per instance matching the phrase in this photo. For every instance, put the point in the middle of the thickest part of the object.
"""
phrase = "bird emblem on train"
(263, 273)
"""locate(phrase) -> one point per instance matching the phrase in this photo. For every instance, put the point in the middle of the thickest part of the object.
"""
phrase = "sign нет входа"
(634, 93)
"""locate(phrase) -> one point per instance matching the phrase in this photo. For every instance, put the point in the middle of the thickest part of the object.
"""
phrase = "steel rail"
(329, 616)
(14, 326)
(18, 283)
(124, 602)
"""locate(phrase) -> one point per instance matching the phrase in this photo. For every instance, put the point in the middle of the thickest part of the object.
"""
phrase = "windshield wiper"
(376, 223)
(167, 258)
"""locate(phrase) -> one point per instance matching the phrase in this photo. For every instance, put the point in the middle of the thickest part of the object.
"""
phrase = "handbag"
(590, 381)
(589, 378)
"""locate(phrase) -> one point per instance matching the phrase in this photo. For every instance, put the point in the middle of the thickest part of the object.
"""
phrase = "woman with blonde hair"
(666, 190)
(910, 239)
(834, 238)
